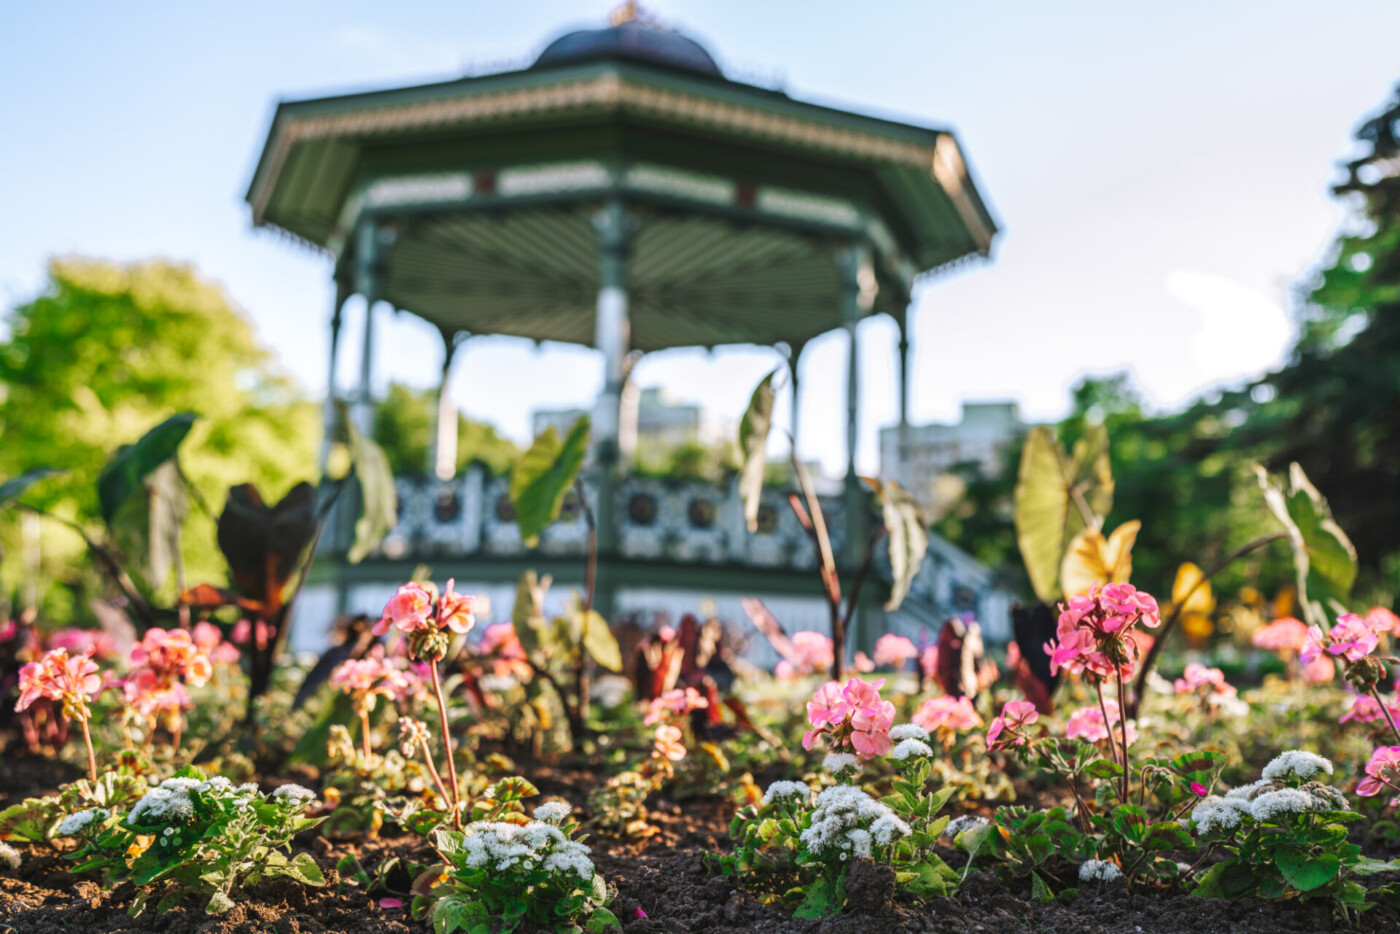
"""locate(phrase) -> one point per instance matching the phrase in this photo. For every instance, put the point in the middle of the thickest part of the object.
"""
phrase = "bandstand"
(621, 193)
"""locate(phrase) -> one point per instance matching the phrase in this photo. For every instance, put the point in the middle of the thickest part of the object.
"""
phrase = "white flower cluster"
(1101, 870)
(553, 812)
(1213, 813)
(962, 822)
(167, 803)
(1271, 804)
(910, 747)
(1296, 762)
(909, 731)
(9, 856)
(293, 794)
(780, 790)
(501, 846)
(838, 762)
(76, 822)
(848, 821)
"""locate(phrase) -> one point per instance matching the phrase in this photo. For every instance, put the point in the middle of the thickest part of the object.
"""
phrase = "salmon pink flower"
(675, 703)
(366, 679)
(1284, 634)
(852, 714)
(1351, 639)
(812, 652)
(864, 695)
(1097, 631)
(1087, 724)
(894, 650)
(928, 661)
(1015, 715)
(210, 640)
(455, 610)
(1198, 676)
(56, 676)
(668, 743)
(1382, 621)
(828, 706)
(1382, 771)
(949, 714)
(407, 610)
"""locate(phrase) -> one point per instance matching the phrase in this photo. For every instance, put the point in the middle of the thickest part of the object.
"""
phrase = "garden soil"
(665, 876)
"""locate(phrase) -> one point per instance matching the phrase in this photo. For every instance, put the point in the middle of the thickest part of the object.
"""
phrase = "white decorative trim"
(693, 186)
(950, 171)
(803, 206)
(547, 179)
(418, 189)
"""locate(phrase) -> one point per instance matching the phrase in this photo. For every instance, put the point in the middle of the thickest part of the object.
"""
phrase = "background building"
(933, 450)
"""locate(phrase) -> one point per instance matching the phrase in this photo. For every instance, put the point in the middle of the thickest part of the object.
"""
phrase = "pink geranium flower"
(668, 743)
(1284, 634)
(1382, 621)
(947, 713)
(367, 679)
(1015, 716)
(894, 650)
(1088, 724)
(812, 652)
(851, 714)
(677, 703)
(209, 639)
(56, 676)
(407, 610)
(1198, 676)
(1382, 771)
(828, 706)
(455, 610)
(1351, 639)
(1096, 632)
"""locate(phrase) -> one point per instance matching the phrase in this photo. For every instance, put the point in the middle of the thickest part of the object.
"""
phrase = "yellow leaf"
(1093, 559)
(1191, 591)
(1197, 625)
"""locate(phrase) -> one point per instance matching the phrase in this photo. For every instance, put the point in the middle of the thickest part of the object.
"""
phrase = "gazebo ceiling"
(741, 195)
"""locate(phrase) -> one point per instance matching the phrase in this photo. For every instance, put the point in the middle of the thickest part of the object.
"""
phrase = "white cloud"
(1240, 331)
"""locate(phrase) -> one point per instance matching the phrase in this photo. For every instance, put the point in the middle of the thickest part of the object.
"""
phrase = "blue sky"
(1161, 172)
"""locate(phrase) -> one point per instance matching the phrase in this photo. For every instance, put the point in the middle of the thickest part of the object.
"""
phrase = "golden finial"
(627, 13)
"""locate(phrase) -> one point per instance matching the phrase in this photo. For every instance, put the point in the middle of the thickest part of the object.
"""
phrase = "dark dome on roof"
(631, 40)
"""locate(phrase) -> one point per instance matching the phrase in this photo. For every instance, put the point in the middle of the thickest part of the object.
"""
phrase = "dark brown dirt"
(666, 876)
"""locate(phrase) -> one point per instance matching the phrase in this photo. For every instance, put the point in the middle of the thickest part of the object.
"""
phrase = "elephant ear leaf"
(1093, 558)
(544, 475)
(1054, 488)
(1324, 557)
(124, 474)
(16, 487)
(753, 448)
(379, 498)
(908, 538)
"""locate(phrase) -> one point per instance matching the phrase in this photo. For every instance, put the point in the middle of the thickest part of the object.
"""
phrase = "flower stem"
(1103, 709)
(447, 746)
(1385, 710)
(364, 737)
(437, 779)
(92, 758)
(1123, 724)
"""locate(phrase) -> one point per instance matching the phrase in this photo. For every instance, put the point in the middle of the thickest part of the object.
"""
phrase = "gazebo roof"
(741, 194)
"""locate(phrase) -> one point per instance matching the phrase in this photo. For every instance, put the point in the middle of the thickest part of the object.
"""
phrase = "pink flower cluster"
(501, 643)
(811, 652)
(415, 609)
(1284, 634)
(1088, 724)
(668, 743)
(1365, 709)
(56, 676)
(369, 678)
(1351, 639)
(1381, 620)
(949, 714)
(1382, 771)
(674, 703)
(162, 664)
(894, 650)
(210, 640)
(93, 643)
(1007, 729)
(1199, 679)
(852, 714)
(1095, 631)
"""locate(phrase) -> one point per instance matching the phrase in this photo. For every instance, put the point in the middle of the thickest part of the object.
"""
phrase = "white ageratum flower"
(1100, 870)
(1272, 804)
(911, 747)
(570, 856)
(779, 791)
(9, 857)
(963, 822)
(77, 822)
(503, 847)
(1213, 813)
(909, 731)
(838, 762)
(553, 812)
(293, 794)
(1245, 792)
(169, 802)
(217, 783)
(1297, 763)
(846, 820)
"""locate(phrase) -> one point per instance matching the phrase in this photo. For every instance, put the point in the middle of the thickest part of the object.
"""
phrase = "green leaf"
(527, 616)
(15, 487)
(304, 869)
(599, 640)
(1323, 556)
(1366, 866)
(130, 465)
(218, 904)
(908, 538)
(602, 920)
(544, 475)
(379, 498)
(1039, 890)
(1049, 486)
(32, 820)
(753, 448)
(824, 898)
(1130, 821)
(1102, 768)
(1306, 872)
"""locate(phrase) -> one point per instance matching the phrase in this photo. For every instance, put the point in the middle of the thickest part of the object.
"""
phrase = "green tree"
(404, 426)
(104, 353)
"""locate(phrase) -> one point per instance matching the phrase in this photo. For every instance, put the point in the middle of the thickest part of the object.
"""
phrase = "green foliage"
(107, 351)
(210, 838)
(404, 426)
(379, 500)
(1322, 553)
(753, 447)
(14, 488)
(132, 463)
(544, 475)
(500, 876)
(908, 538)
(36, 820)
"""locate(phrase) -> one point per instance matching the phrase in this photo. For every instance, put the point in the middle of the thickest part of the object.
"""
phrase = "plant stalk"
(454, 800)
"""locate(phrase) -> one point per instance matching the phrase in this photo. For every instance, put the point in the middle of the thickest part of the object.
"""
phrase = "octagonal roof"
(642, 42)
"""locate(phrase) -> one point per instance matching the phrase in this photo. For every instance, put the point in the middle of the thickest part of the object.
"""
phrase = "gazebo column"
(368, 275)
(902, 466)
(612, 336)
(444, 455)
(857, 298)
(332, 417)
